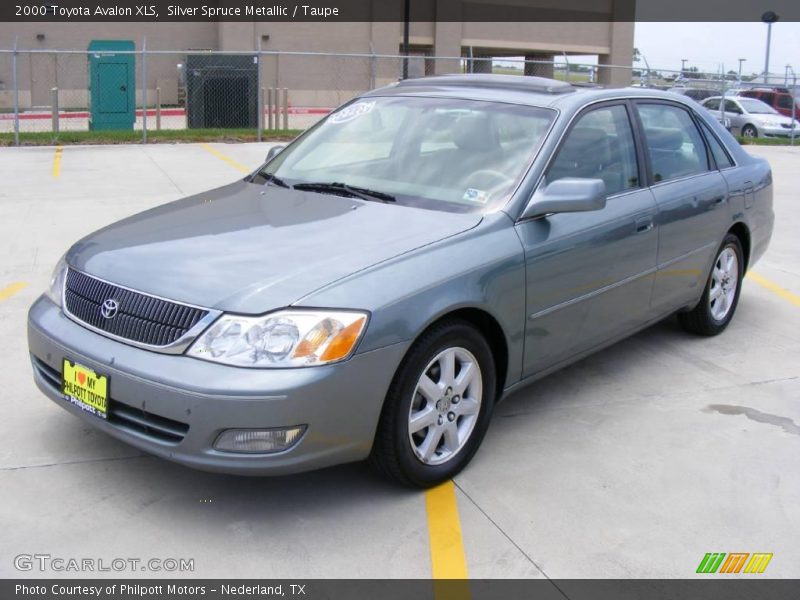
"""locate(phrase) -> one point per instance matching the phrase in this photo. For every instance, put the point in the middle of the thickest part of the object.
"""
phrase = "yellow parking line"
(57, 161)
(225, 158)
(775, 288)
(444, 531)
(12, 289)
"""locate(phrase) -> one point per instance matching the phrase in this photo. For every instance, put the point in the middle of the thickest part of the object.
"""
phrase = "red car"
(778, 98)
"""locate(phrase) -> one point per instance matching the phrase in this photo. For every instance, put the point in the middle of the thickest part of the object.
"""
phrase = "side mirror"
(274, 151)
(570, 194)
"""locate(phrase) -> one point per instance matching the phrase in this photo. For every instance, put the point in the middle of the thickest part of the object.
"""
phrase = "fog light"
(258, 441)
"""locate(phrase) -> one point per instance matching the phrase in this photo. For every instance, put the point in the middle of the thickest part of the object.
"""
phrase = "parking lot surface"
(635, 462)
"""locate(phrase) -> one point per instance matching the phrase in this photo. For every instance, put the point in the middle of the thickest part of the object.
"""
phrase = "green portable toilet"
(112, 85)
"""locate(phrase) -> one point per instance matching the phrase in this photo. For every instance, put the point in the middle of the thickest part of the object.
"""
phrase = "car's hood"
(252, 248)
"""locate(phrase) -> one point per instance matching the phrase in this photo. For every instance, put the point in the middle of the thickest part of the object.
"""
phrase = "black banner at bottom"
(737, 588)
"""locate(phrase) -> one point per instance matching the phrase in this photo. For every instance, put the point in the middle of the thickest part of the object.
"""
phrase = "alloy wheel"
(724, 283)
(445, 407)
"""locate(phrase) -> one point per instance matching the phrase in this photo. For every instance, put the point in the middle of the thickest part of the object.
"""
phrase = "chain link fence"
(48, 92)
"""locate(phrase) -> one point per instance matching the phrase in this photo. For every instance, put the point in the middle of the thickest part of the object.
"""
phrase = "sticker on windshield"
(352, 112)
(473, 195)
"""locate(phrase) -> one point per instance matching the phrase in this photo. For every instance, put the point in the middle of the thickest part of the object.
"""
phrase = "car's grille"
(139, 317)
(122, 415)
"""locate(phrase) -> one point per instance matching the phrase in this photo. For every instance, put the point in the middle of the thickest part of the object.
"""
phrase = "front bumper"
(773, 131)
(174, 406)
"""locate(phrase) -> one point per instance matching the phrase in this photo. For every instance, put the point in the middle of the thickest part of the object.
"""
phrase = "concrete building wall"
(39, 73)
(313, 81)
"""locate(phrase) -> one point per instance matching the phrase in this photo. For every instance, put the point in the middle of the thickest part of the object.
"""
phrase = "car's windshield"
(758, 107)
(439, 153)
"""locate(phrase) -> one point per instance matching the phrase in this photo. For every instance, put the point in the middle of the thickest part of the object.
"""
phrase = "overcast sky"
(706, 45)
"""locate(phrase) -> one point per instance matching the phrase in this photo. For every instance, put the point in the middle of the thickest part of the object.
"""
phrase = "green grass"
(768, 141)
(169, 136)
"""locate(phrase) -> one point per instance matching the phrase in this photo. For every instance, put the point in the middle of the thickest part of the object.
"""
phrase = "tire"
(749, 131)
(721, 295)
(450, 427)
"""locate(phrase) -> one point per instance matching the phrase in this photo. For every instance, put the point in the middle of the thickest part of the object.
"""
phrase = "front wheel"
(438, 406)
(721, 295)
(749, 131)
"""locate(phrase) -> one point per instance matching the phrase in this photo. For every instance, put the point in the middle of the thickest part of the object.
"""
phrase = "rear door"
(589, 274)
(692, 202)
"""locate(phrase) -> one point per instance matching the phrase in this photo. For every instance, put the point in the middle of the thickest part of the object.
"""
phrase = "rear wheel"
(438, 406)
(721, 295)
(749, 131)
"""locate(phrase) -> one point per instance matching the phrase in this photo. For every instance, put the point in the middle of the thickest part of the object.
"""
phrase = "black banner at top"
(395, 10)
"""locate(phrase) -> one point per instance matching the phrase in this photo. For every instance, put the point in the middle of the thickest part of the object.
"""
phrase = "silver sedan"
(749, 117)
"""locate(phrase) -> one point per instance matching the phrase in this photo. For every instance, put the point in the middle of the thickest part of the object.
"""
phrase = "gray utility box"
(222, 91)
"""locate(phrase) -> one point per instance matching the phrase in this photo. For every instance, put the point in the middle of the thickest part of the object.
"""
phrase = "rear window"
(785, 101)
(721, 156)
(674, 143)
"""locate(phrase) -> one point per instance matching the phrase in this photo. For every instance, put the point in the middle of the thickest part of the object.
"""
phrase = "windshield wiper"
(270, 178)
(343, 188)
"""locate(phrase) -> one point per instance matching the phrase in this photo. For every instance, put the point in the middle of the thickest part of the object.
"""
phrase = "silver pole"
(766, 59)
(144, 90)
(158, 109)
(264, 106)
(372, 67)
(270, 112)
(16, 91)
(285, 108)
(259, 102)
(794, 104)
(54, 103)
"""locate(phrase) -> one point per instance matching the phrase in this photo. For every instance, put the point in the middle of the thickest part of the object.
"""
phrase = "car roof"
(518, 89)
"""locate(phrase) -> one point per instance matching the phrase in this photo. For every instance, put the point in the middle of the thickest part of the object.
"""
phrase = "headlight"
(289, 338)
(56, 288)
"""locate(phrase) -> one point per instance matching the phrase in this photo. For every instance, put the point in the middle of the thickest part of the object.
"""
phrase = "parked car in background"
(374, 288)
(750, 118)
(781, 99)
(696, 94)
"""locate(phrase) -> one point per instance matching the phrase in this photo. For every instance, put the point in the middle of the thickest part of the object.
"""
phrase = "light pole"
(741, 60)
(769, 18)
(683, 65)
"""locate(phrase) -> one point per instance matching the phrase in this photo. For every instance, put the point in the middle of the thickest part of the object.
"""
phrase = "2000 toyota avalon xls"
(376, 286)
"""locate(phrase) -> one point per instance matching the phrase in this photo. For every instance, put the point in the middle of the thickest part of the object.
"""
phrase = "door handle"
(644, 224)
(719, 199)
(123, 88)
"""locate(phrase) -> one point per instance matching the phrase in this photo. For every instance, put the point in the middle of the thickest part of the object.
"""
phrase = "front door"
(590, 274)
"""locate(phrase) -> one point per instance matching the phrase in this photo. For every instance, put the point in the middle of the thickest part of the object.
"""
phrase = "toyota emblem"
(109, 308)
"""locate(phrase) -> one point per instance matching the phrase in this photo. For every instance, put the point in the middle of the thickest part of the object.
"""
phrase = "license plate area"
(85, 389)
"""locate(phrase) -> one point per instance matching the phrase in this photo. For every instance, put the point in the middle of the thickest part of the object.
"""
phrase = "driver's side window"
(731, 107)
(599, 146)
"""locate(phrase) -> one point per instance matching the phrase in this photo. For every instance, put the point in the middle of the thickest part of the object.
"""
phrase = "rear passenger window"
(720, 154)
(674, 143)
(785, 101)
(599, 146)
(712, 104)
